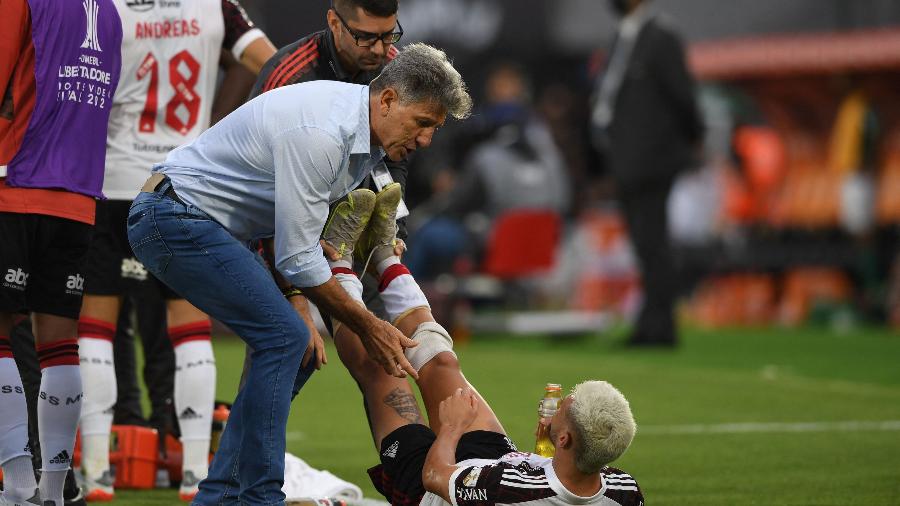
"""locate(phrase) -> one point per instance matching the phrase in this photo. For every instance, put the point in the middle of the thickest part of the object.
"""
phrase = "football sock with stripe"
(59, 407)
(98, 377)
(399, 291)
(195, 390)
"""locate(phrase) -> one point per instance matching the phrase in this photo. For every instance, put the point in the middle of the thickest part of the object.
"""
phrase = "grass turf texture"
(715, 377)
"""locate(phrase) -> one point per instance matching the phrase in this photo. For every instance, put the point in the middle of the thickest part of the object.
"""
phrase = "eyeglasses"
(367, 39)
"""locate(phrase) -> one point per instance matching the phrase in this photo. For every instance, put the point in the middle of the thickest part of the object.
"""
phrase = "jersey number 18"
(185, 92)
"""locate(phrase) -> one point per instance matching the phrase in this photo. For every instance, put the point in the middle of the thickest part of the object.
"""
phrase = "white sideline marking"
(774, 427)
(368, 502)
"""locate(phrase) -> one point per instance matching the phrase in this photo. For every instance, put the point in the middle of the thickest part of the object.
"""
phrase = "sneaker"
(35, 500)
(381, 234)
(73, 495)
(99, 490)
(190, 485)
(348, 220)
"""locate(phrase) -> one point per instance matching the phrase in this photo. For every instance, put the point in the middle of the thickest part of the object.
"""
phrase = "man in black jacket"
(645, 120)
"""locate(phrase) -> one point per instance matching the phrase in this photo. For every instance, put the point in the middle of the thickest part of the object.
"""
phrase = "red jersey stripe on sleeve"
(298, 69)
(282, 67)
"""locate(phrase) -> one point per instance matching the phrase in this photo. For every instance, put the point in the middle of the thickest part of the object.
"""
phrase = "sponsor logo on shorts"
(392, 450)
(17, 279)
(75, 285)
(133, 269)
(61, 458)
(189, 414)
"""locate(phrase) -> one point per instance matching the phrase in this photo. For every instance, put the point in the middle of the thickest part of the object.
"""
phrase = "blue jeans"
(201, 261)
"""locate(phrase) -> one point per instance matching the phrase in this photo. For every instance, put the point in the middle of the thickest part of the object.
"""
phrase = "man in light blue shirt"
(271, 169)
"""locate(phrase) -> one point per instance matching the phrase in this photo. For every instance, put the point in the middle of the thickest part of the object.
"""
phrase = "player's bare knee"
(444, 360)
(434, 343)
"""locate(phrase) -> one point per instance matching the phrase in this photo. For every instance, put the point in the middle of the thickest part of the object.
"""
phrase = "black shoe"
(72, 493)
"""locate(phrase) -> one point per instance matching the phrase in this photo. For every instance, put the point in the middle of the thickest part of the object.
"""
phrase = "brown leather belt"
(156, 180)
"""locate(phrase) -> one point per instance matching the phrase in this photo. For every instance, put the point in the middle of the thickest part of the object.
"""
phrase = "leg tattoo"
(404, 403)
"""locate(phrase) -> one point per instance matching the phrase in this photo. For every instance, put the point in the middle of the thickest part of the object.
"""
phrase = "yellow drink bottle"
(543, 446)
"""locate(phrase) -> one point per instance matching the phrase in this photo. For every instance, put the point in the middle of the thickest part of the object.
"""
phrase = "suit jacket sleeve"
(678, 83)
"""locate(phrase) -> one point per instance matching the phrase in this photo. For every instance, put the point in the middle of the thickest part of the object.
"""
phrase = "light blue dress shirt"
(273, 166)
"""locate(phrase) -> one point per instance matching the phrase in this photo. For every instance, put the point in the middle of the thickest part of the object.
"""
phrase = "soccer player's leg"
(15, 269)
(54, 294)
(407, 307)
(195, 389)
(398, 431)
(389, 401)
(440, 375)
(108, 266)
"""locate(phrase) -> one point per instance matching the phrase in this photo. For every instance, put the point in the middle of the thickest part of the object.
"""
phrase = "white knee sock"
(59, 408)
(399, 291)
(98, 376)
(18, 480)
(195, 391)
(15, 456)
(350, 283)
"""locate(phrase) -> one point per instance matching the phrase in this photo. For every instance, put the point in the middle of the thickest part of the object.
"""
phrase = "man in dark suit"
(646, 122)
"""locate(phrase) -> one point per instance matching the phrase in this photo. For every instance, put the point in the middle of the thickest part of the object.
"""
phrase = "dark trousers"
(646, 214)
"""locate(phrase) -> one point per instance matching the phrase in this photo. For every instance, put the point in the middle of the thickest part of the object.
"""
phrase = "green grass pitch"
(737, 417)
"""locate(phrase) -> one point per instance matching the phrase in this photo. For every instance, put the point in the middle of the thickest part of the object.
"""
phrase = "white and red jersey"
(170, 59)
(526, 479)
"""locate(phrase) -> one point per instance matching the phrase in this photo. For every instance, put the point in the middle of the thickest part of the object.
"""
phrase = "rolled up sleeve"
(307, 161)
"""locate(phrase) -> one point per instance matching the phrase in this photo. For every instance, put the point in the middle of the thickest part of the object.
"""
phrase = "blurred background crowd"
(788, 213)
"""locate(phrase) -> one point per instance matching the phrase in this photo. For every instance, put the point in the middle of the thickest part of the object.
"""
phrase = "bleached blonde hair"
(602, 423)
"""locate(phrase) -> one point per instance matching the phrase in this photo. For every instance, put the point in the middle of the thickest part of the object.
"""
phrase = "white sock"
(98, 377)
(51, 486)
(195, 391)
(387, 262)
(340, 264)
(59, 408)
(399, 291)
(351, 284)
(18, 479)
(13, 416)
(15, 456)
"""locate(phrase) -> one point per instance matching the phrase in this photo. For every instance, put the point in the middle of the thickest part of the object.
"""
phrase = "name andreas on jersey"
(170, 57)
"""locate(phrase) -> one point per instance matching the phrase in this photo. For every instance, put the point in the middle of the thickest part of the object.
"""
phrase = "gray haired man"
(271, 169)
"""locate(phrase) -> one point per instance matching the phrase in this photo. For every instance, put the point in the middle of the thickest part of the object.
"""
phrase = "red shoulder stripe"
(295, 69)
(282, 67)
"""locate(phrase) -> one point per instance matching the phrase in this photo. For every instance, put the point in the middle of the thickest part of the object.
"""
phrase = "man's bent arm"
(441, 463)
(456, 413)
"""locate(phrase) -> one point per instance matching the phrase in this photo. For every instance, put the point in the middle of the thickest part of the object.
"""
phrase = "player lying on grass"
(465, 457)
(468, 459)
